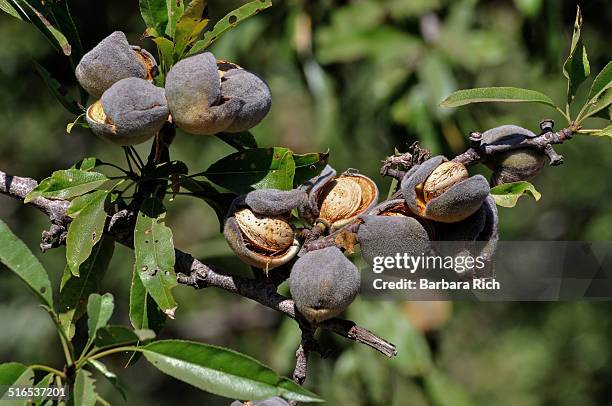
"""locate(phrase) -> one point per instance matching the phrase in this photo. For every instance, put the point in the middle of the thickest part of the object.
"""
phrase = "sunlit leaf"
(507, 194)
(14, 374)
(99, 311)
(190, 26)
(175, 9)
(53, 35)
(154, 251)
(255, 168)
(495, 94)
(84, 389)
(144, 312)
(18, 258)
(229, 21)
(155, 15)
(7, 7)
(602, 81)
(66, 184)
(222, 371)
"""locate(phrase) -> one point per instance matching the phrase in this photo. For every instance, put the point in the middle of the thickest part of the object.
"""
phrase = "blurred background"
(359, 78)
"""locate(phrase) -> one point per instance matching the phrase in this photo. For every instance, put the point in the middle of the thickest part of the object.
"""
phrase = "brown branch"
(192, 272)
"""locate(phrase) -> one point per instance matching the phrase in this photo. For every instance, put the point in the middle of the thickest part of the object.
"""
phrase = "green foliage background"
(361, 78)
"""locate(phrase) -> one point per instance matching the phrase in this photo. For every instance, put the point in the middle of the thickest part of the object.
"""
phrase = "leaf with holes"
(222, 371)
(255, 168)
(175, 9)
(495, 94)
(18, 258)
(144, 312)
(67, 184)
(87, 227)
(229, 21)
(154, 251)
(576, 67)
(507, 194)
(307, 166)
(190, 26)
(74, 291)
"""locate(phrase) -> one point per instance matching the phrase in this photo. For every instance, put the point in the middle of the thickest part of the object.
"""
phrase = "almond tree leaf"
(604, 132)
(53, 35)
(154, 251)
(115, 336)
(507, 194)
(43, 383)
(14, 374)
(59, 91)
(144, 312)
(75, 291)
(80, 121)
(240, 141)
(254, 168)
(222, 371)
(87, 227)
(84, 392)
(109, 375)
(166, 49)
(576, 67)
(602, 81)
(307, 166)
(155, 15)
(175, 9)
(7, 7)
(495, 94)
(18, 258)
(229, 21)
(599, 103)
(87, 164)
(190, 26)
(99, 311)
(67, 184)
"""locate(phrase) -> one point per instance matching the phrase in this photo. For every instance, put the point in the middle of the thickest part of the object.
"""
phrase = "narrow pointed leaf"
(175, 9)
(229, 21)
(109, 375)
(59, 91)
(7, 7)
(254, 168)
(604, 132)
(87, 227)
(66, 184)
(507, 194)
(598, 104)
(602, 81)
(190, 26)
(43, 383)
(144, 312)
(53, 35)
(155, 15)
(576, 67)
(115, 336)
(154, 251)
(221, 371)
(495, 94)
(18, 258)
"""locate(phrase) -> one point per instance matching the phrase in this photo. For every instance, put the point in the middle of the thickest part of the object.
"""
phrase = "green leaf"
(155, 15)
(66, 184)
(175, 8)
(222, 371)
(87, 227)
(190, 26)
(154, 251)
(99, 311)
(7, 7)
(9, 375)
(43, 383)
(75, 291)
(240, 141)
(576, 67)
(255, 168)
(308, 166)
(604, 132)
(144, 312)
(602, 81)
(109, 375)
(115, 336)
(495, 94)
(53, 35)
(87, 164)
(507, 194)
(84, 392)
(229, 21)
(80, 121)
(59, 91)
(598, 104)
(19, 259)
(166, 49)
(62, 16)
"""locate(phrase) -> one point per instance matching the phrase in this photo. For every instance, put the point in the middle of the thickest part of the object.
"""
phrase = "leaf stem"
(564, 114)
(48, 369)
(106, 353)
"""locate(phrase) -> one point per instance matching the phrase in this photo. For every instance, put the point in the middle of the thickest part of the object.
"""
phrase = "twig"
(192, 272)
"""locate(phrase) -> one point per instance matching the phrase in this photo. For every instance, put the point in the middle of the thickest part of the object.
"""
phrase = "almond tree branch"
(191, 271)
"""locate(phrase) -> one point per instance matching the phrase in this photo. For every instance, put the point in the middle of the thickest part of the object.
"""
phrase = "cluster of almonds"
(203, 95)
(439, 202)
